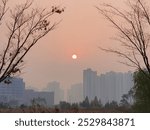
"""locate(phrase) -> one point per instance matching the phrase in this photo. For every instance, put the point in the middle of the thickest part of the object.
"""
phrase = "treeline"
(95, 104)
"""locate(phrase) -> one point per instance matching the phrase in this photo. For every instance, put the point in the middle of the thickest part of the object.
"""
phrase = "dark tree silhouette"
(96, 103)
(133, 25)
(141, 93)
(85, 103)
(25, 26)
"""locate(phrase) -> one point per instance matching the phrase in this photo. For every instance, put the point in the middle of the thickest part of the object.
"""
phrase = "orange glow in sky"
(81, 31)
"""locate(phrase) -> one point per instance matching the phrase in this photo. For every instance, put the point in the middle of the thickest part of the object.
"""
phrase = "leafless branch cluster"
(26, 26)
(133, 26)
(3, 8)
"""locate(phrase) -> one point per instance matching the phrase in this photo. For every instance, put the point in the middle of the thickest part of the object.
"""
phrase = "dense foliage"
(141, 91)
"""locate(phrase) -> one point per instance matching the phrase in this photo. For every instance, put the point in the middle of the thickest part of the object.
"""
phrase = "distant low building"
(56, 89)
(12, 92)
(30, 95)
(15, 94)
(75, 93)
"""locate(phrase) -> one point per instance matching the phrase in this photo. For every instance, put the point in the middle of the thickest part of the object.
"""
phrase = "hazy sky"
(82, 30)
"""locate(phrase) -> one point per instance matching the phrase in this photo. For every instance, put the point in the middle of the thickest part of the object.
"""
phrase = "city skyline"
(59, 83)
(81, 31)
(107, 87)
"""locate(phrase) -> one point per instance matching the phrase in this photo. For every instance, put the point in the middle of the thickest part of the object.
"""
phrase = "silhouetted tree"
(25, 26)
(107, 106)
(124, 101)
(111, 105)
(38, 102)
(133, 25)
(64, 105)
(85, 103)
(96, 103)
(141, 92)
(74, 106)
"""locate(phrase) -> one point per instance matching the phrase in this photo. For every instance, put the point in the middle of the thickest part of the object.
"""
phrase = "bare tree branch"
(26, 27)
(134, 34)
(3, 8)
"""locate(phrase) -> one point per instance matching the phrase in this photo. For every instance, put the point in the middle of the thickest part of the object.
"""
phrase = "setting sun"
(74, 56)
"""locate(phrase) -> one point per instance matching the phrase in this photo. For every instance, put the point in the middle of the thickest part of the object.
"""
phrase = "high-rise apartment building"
(89, 83)
(107, 87)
